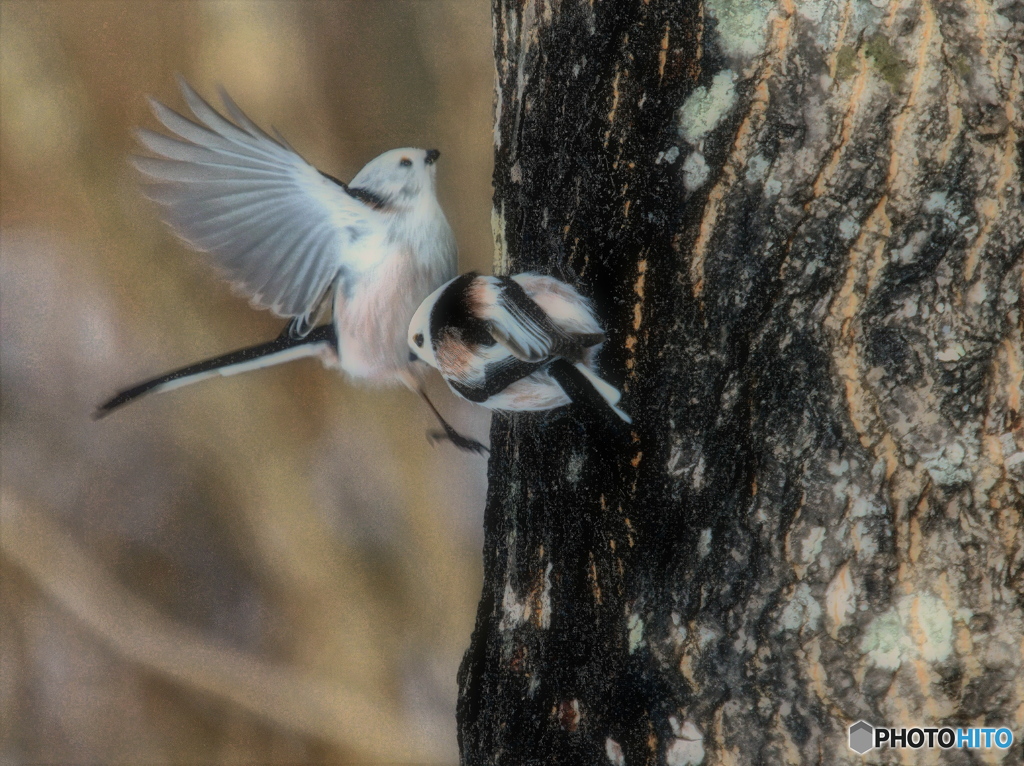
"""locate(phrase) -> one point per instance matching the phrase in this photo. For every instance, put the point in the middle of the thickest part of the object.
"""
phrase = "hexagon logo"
(862, 737)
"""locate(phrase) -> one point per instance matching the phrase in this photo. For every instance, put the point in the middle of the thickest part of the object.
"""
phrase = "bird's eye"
(418, 339)
(405, 162)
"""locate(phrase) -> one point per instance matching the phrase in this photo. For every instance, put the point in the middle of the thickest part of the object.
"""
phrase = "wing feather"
(270, 222)
(520, 325)
(242, 119)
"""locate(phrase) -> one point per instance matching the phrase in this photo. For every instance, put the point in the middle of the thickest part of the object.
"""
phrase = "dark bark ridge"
(812, 307)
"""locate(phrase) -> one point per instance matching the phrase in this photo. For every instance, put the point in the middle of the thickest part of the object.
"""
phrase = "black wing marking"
(367, 197)
(454, 309)
(497, 377)
(528, 332)
(520, 324)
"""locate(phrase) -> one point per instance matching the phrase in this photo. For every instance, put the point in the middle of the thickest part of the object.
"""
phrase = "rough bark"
(802, 225)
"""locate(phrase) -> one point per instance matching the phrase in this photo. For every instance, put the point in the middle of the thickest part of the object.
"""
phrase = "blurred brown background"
(271, 568)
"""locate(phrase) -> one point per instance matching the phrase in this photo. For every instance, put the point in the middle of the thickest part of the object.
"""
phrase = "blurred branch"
(132, 628)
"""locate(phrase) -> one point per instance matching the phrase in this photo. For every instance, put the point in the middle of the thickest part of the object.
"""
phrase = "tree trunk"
(802, 226)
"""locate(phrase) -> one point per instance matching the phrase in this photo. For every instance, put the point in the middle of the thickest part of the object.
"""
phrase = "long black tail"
(283, 349)
(583, 385)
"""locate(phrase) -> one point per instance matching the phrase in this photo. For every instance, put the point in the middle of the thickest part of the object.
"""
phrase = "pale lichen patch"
(697, 477)
(704, 543)
(881, 641)
(946, 465)
(951, 353)
(741, 25)
(840, 468)
(499, 105)
(757, 166)
(848, 228)
(920, 626)
(677, 632)
(707, 634)
(635, 624)
(704, 109)
(687, 746)
(802, 611)
(811, 547)
(695, 171)
(574, 467)
(929, 623)
(864, 543)
(514, 610)
(500, 243)
(613, 750)
(669, 156)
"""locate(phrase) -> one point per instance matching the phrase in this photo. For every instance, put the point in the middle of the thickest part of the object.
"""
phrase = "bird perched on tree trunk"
(291, 237)
(527, 342)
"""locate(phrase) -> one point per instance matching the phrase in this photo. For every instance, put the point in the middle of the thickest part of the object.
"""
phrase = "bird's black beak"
(413, 357)
(432, 155)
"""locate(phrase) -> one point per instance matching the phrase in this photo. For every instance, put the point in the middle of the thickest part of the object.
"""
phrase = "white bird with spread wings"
(291, 238)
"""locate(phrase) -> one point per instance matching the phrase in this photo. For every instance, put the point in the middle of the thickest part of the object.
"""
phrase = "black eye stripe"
(418, 339)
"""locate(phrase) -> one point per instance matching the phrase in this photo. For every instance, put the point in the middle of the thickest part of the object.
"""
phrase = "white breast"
(373, 308)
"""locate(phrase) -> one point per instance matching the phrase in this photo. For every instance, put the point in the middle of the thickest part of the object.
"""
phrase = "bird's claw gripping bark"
(464, 443)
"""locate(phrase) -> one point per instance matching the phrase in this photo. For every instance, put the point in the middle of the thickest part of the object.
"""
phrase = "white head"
(421, 344)
(400, 178)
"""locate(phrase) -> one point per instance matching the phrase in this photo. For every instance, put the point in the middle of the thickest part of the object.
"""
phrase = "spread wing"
(521, 326)
(272, 223)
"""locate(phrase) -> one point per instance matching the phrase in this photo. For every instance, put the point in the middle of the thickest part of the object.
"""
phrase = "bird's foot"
(464, 443)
